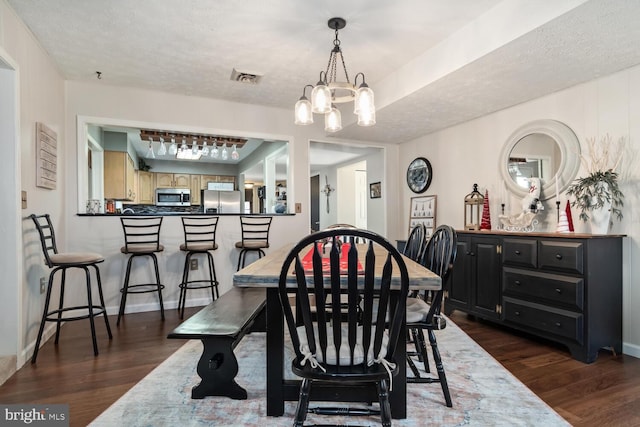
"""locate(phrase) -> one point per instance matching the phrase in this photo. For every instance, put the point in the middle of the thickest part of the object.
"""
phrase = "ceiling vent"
(245, 77)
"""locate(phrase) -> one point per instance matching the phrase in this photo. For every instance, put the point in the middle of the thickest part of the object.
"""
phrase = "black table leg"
(218, 368)
(275, 354)
(398, 396)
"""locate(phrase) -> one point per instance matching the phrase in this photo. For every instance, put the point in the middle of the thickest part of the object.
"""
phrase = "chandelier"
(329, 91)
(186, 146)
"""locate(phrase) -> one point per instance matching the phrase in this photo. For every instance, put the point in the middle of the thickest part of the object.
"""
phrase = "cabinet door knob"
(517, 282)
(558, 324)
(472, 254)
(558, 256)
(517, 313)
(558, 290)
(517, 252)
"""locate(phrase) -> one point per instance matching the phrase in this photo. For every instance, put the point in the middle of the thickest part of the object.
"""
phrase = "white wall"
(468, 154)
(40, 95)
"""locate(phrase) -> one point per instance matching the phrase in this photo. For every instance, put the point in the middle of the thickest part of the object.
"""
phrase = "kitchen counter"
(153, 210)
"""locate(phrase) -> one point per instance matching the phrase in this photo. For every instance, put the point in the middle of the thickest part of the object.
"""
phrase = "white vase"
(600, 218)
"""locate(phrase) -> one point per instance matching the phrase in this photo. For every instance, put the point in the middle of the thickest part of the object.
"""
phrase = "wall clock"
(419, 175)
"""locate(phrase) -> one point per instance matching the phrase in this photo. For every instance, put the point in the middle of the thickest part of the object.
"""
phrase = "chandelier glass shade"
(329, 91)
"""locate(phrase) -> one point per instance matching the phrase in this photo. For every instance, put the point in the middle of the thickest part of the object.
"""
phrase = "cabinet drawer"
(555, 288)
(563, 256)
(548, 319)
(520, 252)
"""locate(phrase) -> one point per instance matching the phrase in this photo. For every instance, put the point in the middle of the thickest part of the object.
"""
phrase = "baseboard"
(631, 350)
(8, 367)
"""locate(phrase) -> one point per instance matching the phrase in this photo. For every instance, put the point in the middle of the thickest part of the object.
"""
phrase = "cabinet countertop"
(540, 234)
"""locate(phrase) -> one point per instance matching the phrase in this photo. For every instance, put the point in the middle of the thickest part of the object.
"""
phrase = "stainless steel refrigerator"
(216, 201)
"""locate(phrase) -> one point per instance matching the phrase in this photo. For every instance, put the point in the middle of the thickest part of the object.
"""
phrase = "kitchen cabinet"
(563, 287)
(195, 189)
(206, 179)
(146, 188)
(119, 176)
(173, 180)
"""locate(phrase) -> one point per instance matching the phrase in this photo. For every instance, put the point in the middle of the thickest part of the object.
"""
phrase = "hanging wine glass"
(173, 148)
(205, 149)
(214, 151)
(234, 153)
(225, 152)
(163, 147)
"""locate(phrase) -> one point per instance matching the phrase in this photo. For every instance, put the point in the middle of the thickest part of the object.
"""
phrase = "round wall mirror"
(545, 149)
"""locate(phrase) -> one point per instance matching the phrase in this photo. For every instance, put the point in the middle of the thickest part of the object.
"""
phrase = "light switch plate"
(298, 207)
(24, 199)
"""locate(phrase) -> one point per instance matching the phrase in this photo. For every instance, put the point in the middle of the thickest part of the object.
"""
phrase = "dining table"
(265, 273)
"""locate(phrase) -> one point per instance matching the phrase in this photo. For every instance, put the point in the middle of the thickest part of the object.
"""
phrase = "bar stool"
(141, 239)
(61, 262)
(255, 236)
(199, 238)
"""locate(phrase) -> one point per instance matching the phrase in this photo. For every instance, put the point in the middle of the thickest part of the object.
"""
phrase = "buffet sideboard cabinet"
(563, 287)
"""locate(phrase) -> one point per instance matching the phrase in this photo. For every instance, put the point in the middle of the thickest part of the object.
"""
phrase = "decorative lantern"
(473, 203)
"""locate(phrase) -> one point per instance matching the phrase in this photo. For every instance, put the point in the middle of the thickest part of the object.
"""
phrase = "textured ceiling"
(191, 47)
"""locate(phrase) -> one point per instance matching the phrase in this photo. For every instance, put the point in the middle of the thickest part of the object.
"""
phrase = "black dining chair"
(424, 311)
(61, 262)
(415, 245)
(336, 342)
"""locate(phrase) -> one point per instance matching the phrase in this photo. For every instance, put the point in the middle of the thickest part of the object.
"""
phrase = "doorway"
(10, 212)
(315, 203)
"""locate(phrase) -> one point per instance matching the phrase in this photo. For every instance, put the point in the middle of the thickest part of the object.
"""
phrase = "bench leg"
(218, 367)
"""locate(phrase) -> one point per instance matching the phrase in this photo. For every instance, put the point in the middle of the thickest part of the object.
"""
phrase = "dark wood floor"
(605, 393)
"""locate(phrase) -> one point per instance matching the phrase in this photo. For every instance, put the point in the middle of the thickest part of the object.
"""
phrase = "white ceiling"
(431, 63)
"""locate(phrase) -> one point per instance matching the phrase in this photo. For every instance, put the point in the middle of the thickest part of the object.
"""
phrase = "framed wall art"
(375, 190)
(46, 157)
(423, 211)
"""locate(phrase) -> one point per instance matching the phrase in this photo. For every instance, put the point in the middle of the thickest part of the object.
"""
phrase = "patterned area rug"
(483, 393)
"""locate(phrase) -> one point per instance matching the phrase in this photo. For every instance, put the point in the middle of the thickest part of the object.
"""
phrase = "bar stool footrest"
(205, 284)
(133, 289)
(97, 311)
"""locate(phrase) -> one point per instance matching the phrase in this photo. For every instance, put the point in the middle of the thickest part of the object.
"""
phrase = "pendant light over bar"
(329, 91)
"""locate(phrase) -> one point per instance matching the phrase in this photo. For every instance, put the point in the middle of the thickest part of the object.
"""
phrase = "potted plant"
(598, 195)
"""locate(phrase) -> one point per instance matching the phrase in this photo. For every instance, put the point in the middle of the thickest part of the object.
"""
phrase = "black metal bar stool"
(199, 238)
(255, 236)
(61, 262)
(141, 239)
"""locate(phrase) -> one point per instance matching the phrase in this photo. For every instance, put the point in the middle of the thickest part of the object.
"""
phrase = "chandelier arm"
(355, 80)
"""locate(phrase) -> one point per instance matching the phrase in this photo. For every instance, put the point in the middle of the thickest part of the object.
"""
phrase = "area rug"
(483, 392)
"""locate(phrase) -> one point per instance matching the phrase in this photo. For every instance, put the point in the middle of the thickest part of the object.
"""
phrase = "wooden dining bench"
(220, 326)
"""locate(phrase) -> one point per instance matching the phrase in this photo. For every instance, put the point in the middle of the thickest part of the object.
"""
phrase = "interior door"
(314, 191)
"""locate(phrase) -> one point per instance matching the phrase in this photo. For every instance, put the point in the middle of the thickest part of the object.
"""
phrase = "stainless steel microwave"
(173, 197)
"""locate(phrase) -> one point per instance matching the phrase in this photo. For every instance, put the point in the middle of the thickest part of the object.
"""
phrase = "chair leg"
(44, 317)
(90, 307)
(124, 290)
(438, 362)
(60, 304)
(212, 277)
(101, 295)
(385, 407)
(183, 286)
(155, 266)
(421, 347)
(303, 403)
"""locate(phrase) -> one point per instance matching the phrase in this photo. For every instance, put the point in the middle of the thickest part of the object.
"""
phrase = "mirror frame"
(569, 150)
